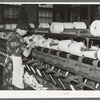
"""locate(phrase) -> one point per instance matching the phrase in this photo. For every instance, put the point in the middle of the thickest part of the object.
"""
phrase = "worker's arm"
(28, 49)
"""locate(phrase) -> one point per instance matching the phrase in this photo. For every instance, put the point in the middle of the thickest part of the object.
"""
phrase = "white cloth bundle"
(57, 27)
(44, 25)
(32, 82)
(79, 25)
(76, 48)
(18, 71)
(68, 25)
(64, 45)
(95, 28)
(91, 54)
(32, 25)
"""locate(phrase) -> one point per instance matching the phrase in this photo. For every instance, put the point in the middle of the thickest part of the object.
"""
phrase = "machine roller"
(95, 70)
(73, 61)
(86, 65)
(46, 50)
(53, 52)
(38, 48)
(63, 54)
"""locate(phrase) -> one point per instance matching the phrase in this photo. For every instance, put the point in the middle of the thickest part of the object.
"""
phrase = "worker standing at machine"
(13, 69)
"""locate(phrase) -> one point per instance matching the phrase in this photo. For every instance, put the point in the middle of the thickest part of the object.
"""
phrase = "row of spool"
(58, 27)
(69, 46)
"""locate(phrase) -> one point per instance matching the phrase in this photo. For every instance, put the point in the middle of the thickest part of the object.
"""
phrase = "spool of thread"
(79, 25)
(47, 43)
(76, 48)
(44, 25)
(68, 25)
(64, 45)
(95, 28)
(54, 44)
(40, 42)
(91, 54)
(57, 27)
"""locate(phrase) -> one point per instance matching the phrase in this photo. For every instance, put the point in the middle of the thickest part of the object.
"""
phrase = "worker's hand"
(32, 45)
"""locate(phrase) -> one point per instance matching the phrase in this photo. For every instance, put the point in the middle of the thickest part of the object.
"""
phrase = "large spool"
(79, 25)
(44, 25)
(95, 28)
(91, 54)
(56, 27)
(77, 48)
(68, 25)
(64, 45)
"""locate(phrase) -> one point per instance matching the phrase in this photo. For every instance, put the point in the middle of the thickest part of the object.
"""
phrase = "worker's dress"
(15, 46)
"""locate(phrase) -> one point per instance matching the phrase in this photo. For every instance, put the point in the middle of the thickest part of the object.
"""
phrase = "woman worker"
(13, 70)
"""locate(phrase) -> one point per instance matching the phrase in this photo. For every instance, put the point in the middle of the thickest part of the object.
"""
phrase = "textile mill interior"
(65, 47)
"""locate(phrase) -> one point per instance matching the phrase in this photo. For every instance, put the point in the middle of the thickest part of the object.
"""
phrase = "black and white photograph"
(50, 47)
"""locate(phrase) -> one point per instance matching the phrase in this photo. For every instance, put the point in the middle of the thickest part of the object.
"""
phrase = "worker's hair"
(23, 25)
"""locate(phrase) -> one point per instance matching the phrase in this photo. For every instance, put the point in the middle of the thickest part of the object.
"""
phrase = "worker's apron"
(18, 71)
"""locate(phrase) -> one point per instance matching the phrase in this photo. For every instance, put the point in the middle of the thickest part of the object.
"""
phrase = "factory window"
(45, 13)
(10, 13)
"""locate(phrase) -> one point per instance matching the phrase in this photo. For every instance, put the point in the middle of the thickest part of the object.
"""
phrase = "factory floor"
(43, 82)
